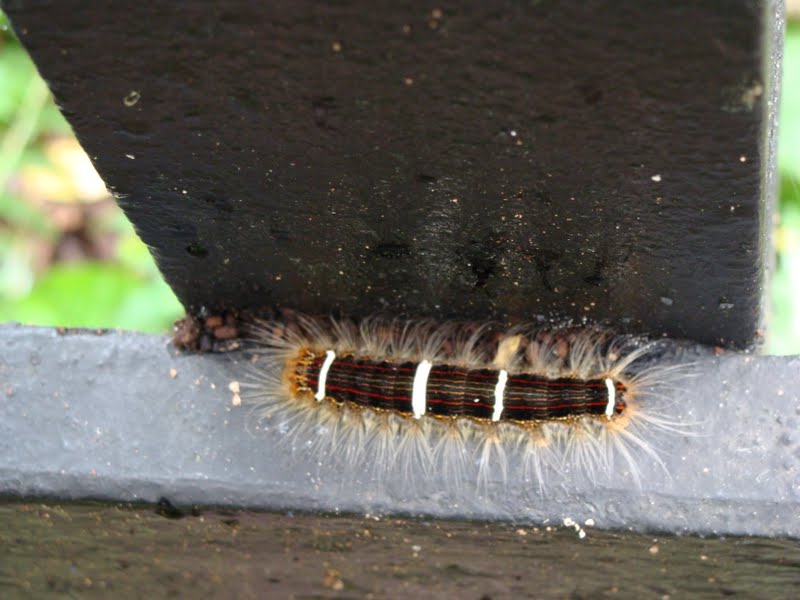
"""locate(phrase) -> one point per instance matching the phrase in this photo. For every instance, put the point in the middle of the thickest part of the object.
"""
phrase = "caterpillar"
(458, 400)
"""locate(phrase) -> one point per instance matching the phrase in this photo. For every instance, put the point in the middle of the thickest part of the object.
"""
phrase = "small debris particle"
(333, 580)
(186, 332)
(408, 80)
(225, 332)
(653, 549)
(437, 13)
(234, 387)
(336, 46)
(132, 98)
(212, 333)
(214, 321)
(131, 156)
(751, 95)
(589, 522)
(173, 373)
(569, 522)
(656, 178)
(165, 508)
(522, 532)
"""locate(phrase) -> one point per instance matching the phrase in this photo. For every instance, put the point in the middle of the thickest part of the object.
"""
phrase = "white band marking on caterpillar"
(330, 356)
(499, 391)
(612, 397)
(419, 391)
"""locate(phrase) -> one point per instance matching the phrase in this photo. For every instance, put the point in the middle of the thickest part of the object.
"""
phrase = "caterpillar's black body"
(453, 391)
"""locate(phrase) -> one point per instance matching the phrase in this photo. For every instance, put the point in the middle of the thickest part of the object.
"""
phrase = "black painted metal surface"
(483, 160)
(88, 416)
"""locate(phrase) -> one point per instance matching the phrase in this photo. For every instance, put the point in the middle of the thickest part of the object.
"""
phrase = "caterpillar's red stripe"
(361, 366)
(360, 392)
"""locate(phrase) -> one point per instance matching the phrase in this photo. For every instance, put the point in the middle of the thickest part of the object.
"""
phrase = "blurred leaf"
(64, 174)
(785, 321)
(52, 122)
(132, 252)
(22, 215)
(16, 273)
(789, 191)
(96, 295)
(151, 308)
(789, 129)
(16, 71)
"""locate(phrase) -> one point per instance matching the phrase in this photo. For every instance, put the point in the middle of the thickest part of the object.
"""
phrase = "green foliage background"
(126, 291)
(784, 324)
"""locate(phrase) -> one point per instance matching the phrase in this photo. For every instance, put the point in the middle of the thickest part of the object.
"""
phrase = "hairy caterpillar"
(461, 400)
